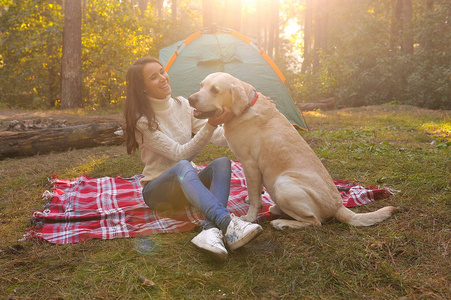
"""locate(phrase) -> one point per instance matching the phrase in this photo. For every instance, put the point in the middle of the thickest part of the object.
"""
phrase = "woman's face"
(156, 81)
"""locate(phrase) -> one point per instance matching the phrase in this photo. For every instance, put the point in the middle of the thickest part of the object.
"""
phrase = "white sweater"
(173, 141)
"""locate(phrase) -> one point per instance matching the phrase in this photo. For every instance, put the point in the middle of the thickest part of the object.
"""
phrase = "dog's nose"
(192, 99)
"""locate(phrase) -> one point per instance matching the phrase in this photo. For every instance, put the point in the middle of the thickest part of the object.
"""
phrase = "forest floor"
(405, 257)
(72, 117)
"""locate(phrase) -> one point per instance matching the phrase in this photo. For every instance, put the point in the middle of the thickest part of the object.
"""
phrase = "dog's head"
(218, 90)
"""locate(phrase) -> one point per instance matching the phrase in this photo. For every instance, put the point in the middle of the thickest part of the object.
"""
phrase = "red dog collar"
(255, 99)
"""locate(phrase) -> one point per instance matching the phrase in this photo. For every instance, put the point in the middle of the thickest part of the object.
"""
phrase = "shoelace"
(239, 224)
(218, 240)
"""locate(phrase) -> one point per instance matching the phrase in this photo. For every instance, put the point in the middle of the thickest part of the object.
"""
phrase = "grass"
(405, 257)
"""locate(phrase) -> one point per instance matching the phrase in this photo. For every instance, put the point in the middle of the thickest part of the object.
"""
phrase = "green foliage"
(429, 82)
(362, 67)
(114, 35)
(125, 36)
(310, 87)
(30, 45)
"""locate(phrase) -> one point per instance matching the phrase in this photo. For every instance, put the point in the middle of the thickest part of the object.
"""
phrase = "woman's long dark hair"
(136, 103)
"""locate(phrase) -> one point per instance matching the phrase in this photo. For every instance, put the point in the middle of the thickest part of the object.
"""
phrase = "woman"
(161, 127)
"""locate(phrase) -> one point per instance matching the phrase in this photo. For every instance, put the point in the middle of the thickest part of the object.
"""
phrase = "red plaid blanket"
(108, 208)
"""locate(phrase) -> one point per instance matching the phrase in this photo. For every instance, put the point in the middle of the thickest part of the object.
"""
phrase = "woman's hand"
(221, 117)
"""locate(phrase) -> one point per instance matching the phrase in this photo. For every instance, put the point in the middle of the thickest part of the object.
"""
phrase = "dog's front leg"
(254, 189)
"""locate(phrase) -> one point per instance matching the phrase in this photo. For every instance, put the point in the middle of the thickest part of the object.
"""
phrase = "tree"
(174, 10)
(71, 84)
(308, 24)
(142, 4)
(267, 26)
(207, 13)
(232, 15)
(401, 30)
(159, 8)
(30, 48)
(51, 51)
(320, 31)
(407, 38)
(222, 13)
(273, 36)
(363, 49)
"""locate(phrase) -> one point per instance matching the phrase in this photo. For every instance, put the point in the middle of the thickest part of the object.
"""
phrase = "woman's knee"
(184, 164)
(184, 168)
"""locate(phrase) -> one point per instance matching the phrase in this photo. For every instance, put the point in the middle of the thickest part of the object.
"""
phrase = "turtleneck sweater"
(173, 140)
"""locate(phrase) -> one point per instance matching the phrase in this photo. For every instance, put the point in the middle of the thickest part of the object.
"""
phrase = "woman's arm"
(160, 143)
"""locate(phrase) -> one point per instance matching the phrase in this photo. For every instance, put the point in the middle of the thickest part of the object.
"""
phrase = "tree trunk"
(277, 20)
(71, 85)
(142, 5)
(207, 13)
(273, 38)
(308, 24)
(261, 28)
(425, 41)
(407, 34)
(16, 144)
(395, 26)
(232, 15)
(401, 33)
(51, 50)
(321, 28)
(270, 48)
(174, 9)
(159, 8)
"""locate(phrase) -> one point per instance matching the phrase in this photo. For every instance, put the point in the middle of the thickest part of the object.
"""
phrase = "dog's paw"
(278, 224)
(247, 218)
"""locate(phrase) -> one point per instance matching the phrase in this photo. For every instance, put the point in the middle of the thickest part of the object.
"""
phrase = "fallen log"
(32, 142)
(326, 104)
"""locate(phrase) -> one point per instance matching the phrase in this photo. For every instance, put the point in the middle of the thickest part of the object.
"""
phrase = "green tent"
(207, 51)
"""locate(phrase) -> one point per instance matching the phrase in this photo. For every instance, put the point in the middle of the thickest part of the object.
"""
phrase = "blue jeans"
(180, 186)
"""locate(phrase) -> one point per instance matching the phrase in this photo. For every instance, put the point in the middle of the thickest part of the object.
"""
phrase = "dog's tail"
(346, 215)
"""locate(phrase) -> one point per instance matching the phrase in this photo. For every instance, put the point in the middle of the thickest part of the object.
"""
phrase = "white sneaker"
(211, 241)
(240, 232)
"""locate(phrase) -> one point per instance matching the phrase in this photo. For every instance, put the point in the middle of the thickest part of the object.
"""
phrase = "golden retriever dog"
(274, 155)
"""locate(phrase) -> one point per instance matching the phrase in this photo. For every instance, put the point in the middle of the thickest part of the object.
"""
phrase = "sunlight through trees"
(360, 52)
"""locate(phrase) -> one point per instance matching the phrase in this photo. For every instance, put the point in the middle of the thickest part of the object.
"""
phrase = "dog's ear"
(239, 99)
